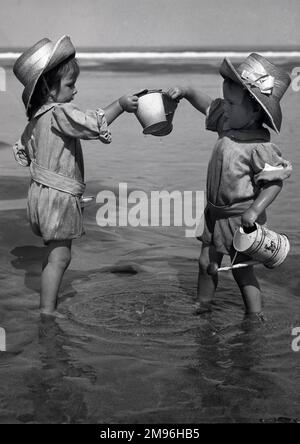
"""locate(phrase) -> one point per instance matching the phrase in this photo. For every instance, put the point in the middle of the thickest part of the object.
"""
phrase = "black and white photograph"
(149, 214)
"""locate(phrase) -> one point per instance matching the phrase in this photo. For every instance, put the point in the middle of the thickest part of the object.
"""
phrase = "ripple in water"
(139, 305)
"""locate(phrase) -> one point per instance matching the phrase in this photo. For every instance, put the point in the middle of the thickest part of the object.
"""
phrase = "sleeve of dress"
(20, 152)
(68, 120)
(215, 116)
(268, 165)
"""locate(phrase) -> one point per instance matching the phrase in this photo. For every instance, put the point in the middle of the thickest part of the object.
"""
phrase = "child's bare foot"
(259, 317)
(54, 313)
(202, 308)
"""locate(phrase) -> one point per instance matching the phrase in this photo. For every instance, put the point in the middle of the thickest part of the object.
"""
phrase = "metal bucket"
(155, 112)
(169, 106)
(263, 245)
(151, 112)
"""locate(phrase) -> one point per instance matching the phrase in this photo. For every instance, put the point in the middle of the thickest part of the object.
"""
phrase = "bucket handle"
(145, 91)
(172, 104)
(141, 93)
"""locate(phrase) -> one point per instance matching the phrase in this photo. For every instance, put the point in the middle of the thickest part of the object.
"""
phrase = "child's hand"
(20, 154)
(129, 103)
(249, 218)
(177, 93)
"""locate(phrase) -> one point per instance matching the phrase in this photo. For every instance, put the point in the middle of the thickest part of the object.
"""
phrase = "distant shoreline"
(170, 48)
(128, 55)
(152, 61)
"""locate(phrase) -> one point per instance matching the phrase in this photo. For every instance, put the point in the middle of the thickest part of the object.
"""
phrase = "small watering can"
(155, 112)
(264, 246)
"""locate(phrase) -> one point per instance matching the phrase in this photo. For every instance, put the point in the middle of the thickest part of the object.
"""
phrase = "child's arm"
(269, 169)
(68, 120)
(266, 196)
(126, 103)
(198, 99)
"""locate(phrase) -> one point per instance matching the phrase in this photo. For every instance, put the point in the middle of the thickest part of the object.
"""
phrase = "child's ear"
(50, 92)
(53, 93)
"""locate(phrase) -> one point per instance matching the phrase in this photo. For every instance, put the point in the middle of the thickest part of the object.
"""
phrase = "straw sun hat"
(265, 82)
(38, 59)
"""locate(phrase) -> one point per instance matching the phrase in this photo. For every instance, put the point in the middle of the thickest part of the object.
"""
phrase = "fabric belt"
(57, 181)
(235, 209)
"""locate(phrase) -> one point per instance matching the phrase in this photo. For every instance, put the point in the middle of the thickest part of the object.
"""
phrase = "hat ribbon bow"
(262, 80)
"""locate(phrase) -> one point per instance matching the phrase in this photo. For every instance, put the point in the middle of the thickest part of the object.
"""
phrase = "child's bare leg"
(207, 284)
(56, 262)
(249, 286)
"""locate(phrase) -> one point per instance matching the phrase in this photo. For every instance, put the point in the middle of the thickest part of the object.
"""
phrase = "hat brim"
(269, 104)
(62, 50)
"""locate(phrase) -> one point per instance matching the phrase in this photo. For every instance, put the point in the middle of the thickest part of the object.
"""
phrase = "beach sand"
(131, 349)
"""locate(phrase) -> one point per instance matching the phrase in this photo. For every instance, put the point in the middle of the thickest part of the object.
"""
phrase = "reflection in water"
(144, 357)
(54, 386)
(226, 362)
(237, 384)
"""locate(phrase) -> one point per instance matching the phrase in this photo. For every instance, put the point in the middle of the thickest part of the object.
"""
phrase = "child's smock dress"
(241, 163)
(50, 146)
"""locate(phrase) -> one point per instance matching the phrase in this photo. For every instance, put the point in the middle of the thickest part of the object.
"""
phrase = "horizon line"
(172, 48)
(123, 55)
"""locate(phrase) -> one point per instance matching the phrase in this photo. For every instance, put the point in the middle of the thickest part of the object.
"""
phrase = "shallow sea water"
(131, 349)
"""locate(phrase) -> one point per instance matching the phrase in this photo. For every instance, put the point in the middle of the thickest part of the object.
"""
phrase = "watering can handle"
(249, 230)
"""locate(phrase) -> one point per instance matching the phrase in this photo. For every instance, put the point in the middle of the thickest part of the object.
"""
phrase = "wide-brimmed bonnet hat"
(265, 82)
(38, 59)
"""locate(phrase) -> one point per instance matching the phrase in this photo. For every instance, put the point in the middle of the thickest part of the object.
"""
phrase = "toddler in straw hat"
(50, 146)
(246, 170)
